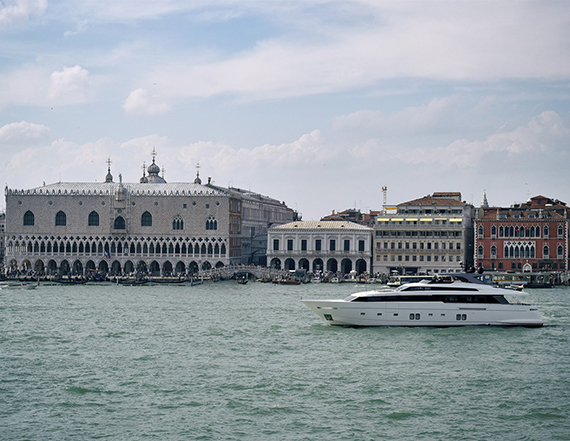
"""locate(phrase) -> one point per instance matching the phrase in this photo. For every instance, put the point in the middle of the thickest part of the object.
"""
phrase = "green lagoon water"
(223, 361)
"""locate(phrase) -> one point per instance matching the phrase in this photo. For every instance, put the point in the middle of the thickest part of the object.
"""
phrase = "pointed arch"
(29, 218)
(60, 219)
(119, 223)
(93, 219)
(146, 219)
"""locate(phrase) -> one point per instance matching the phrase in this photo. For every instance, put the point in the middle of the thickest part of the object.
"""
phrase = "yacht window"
(434, 288)
(500, 299)
(397, 299)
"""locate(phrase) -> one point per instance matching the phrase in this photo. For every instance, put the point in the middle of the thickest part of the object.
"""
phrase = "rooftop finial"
(197, 180)
(109, 177)
(153, 154)
(143, 180)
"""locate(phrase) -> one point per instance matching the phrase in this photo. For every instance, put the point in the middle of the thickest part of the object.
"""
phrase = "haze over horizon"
(319, 104)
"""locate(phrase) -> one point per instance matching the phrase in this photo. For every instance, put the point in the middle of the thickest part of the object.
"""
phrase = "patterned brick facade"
(532, 236)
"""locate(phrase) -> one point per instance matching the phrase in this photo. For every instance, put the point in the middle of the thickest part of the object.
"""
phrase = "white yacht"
(458, 300)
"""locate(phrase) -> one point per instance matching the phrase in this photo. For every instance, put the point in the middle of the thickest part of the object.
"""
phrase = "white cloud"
(33, 85)
(24, 86)
(12, 11)
(69, 85)
(80, 29)
(544, 134)
(140, 103)
(24, 133)
(458, 41)
(60, 159)
(436, 113)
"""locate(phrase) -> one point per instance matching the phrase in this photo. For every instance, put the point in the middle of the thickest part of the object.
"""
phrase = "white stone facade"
(430, 235)
(328, 246)
(153, 227)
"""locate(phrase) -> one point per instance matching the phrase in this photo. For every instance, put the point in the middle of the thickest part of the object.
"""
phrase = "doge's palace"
(110, 227)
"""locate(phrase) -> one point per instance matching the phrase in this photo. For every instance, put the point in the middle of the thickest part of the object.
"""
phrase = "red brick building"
(532, 236)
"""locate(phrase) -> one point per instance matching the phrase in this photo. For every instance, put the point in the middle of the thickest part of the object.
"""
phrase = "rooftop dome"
(153, 171)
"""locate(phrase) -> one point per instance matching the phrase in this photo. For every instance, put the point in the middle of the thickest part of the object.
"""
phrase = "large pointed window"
(60, 218)
(29, 218)
(146, 219)
(119, 223)
(93, 220)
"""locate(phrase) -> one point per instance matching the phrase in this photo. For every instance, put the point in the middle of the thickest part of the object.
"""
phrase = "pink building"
(532, 236)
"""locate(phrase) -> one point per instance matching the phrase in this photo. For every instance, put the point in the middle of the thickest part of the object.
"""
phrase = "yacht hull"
(422, 314)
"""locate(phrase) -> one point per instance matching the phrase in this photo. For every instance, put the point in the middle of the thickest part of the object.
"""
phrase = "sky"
(318, 103)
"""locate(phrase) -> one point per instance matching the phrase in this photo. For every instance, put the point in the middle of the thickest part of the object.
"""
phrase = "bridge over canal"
(252, 271)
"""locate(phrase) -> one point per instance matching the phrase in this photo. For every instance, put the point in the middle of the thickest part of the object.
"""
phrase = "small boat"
(15, 286)
(70, 281)
(242, 280)
(287, 282)
(168, 281)
(443, 301)
(132, 282)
